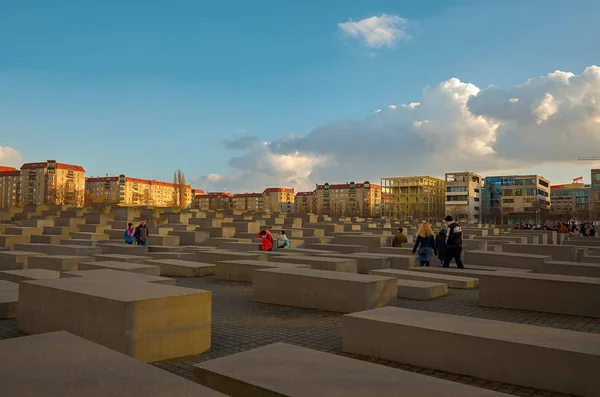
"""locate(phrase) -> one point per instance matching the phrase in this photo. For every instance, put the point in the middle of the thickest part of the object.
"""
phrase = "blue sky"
(146, 87)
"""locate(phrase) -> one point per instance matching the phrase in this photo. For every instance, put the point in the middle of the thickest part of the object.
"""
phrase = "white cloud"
(545, 108)
(454, 126)
(10, 157)
(377, 32)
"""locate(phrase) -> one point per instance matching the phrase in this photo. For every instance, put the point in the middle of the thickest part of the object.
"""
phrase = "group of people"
(446, 245)
(137, 235)
(267, 242)
(570, 228)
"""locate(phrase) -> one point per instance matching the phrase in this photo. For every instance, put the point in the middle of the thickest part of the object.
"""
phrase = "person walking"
(425, 244)
(399, 238)
(129, 234)
(266, 240)
(282, 240)
(453, 243)
(142, 234)
(440, 244)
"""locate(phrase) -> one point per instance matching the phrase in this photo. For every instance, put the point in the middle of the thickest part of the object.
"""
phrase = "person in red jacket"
(267, 240)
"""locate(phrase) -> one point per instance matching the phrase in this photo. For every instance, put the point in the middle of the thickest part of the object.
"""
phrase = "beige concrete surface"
(119, 258)
(123, 266)
(59, 364)
(147, 321)
(539, 357)
(57, 263)
(506, 259)
(17, 276)
(421, 290)
(9, 299)
(459, 282)
(181, 268)
(346, 265)
(322, 289)
(242, 270)
(548, 293)
(118, 276)
(285, 370)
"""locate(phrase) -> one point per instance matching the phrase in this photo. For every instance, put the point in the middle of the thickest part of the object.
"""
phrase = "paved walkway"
(239, 324)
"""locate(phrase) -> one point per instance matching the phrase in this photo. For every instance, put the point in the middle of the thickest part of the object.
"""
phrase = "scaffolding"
(414, 198)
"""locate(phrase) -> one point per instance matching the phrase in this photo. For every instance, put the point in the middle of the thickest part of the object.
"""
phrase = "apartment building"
(463, 196)
(414, 198)
(571, 200)
(124, 190)
(595, 195)
(278, 199)
(516, 199)
(305, 203)
(213, 201)
(248, 201)
(10, 187)
(51, 182)
(348, 199)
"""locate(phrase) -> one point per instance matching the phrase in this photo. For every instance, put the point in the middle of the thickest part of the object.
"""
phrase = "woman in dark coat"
(440, 244)
(425, 244)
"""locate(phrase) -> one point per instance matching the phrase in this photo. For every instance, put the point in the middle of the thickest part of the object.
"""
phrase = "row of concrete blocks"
(65, 364)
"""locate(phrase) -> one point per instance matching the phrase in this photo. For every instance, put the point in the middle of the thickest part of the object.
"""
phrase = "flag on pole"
(578, 179)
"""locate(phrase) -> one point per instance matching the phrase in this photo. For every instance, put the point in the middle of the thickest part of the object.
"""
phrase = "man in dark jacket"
(453, 243)
(142, 234)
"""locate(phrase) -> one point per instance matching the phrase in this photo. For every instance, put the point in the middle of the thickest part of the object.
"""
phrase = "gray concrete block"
(458, 282)
(66, 365)
(323, 290)
(526, 355)
(285, 370)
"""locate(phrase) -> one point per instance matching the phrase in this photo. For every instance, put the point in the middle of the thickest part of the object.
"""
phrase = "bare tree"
(460, 214)
(146, 198)
(179, 190)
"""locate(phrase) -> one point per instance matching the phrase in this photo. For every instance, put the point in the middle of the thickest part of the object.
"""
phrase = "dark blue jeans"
(143, 243)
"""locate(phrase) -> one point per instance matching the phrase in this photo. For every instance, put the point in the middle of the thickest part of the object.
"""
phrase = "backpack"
(454, 236)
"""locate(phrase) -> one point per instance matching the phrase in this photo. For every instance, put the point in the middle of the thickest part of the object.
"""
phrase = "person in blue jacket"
(425, 244)
(129, 234)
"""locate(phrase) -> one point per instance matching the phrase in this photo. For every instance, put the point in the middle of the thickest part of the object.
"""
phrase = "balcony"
(457, 203)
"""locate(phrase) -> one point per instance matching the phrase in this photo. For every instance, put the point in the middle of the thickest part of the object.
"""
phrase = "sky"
(242, 95)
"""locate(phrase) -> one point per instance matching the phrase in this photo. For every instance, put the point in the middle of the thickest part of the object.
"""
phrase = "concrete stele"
(148, 321)
(532, 356)
(280, 369)
(59, 364)
(458, 282)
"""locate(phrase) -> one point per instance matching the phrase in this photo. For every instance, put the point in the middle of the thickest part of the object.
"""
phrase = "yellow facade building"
(10, 187)
(305, 203)
(248, 201)
(414, 198)
(348, 199)
(51, 182)
(124, 190)
(278, 199)
(273, 199)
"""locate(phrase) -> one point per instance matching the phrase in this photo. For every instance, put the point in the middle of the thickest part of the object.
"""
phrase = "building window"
(476, 199)
(453, 189)
(476, 190)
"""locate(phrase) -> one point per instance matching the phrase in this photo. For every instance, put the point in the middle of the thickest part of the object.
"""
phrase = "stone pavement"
(240, 324)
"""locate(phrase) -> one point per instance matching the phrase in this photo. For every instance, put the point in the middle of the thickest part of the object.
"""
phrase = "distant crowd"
(571, 228)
